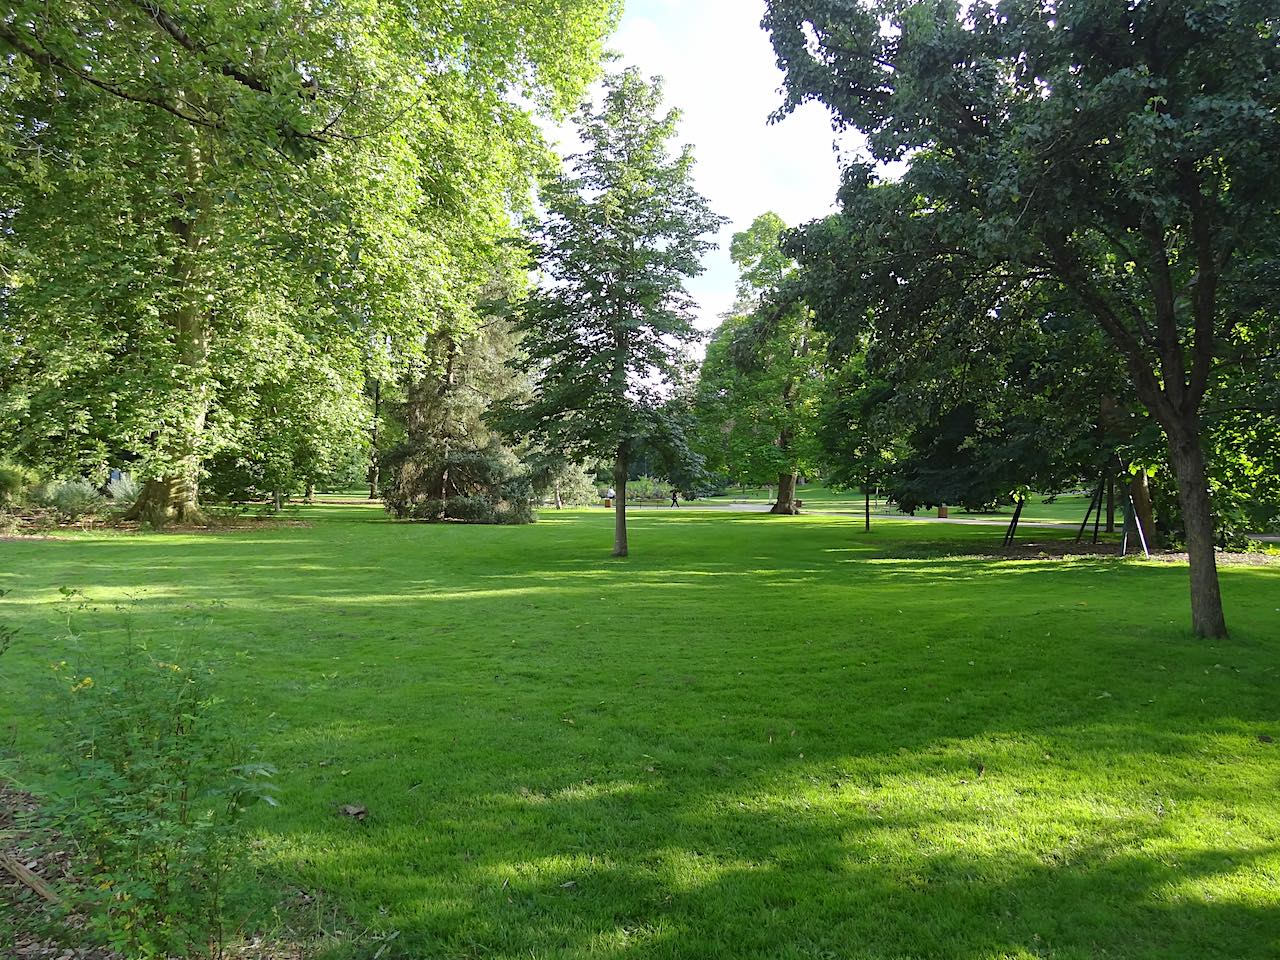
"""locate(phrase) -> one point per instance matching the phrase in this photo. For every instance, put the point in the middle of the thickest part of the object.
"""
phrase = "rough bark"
(786, 502)
(620, 469)
(163, 499)
(1187, 457)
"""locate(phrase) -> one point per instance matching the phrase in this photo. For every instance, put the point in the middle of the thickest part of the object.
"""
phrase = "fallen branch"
(22, 874)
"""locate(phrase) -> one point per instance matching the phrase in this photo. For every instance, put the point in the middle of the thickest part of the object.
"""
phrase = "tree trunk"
(1144, 516)
(866, 504)
(559, 497)
(277, 499)
(175, 493)
(1188, 461)
(373, 441)
(191, 333)
(1111, 503)
(786, 502)
(620, 502)
(311, 491)
(163, 499)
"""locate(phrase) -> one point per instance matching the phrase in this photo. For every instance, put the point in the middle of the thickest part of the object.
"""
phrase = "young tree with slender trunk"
(604, 332)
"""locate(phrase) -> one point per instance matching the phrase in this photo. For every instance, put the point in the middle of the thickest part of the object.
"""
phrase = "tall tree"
(184, 177)
(760, 380)
(605, 330)
(1127, 155)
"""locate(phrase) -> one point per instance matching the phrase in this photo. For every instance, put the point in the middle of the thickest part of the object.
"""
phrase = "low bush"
(124, 490)
(489, 485)
(13, 483)
(69, 499)
(648, 488)
(149, 779)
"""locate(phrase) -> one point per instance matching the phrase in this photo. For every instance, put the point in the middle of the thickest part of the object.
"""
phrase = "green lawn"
(1064, 508)
(758, 737)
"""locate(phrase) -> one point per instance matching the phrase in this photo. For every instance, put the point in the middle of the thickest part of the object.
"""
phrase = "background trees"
(1122, 158)
(201, 200)
(760, 380)
(604, 331)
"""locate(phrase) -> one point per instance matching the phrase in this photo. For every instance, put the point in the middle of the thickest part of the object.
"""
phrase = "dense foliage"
(1116, 163)
(212, 212)
(762, 376)
(604, 331)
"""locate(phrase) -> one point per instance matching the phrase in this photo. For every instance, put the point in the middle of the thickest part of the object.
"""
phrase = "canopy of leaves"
(759, 384)
(605, 329)
(1074, 164)
(202, 200)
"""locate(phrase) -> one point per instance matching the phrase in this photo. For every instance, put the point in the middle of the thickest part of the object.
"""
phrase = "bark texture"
(786, 502)
(1188, 461)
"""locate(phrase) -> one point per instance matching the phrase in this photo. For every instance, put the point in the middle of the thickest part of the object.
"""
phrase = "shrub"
(13, 483)
(70, 499)
(124, 489)
(648, 488)
(151, 783)
(488, 485)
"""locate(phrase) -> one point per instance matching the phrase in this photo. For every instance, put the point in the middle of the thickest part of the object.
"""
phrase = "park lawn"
(1063, 508)
(757, 737)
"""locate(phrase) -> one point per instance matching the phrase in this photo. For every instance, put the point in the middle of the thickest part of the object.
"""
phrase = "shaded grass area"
(1064, 508)
(758, 737)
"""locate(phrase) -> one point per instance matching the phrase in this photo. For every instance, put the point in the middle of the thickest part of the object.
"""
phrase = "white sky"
(719, 71)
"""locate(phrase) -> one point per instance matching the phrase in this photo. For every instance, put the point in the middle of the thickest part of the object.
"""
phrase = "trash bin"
(942, 513)
(607, 503)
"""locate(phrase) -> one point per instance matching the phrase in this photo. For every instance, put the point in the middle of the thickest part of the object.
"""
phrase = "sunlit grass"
(757, 737)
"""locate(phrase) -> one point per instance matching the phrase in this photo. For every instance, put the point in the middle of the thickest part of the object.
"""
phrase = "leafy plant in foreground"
(151, 782)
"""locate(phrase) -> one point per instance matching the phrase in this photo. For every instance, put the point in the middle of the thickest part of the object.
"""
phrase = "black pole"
(1097, 514)
(1013, 524)
(1093, 503)
(1111, 503)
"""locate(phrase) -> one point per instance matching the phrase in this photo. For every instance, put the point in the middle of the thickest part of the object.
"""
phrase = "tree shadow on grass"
(777, 867)
(779, 751)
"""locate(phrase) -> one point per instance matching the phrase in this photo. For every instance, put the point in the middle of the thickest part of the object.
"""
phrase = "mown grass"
(757, 737)
(1063, 508)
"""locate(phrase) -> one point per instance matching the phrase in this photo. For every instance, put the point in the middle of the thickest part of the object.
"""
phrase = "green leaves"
(604, 331)
(213, 210)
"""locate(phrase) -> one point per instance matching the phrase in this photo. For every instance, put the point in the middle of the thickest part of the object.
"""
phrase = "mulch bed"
(48, 861)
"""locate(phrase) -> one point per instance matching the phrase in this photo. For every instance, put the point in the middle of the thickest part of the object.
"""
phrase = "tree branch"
(51, 61)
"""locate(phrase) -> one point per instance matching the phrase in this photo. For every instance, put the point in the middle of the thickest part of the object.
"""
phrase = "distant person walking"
(675, 497)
